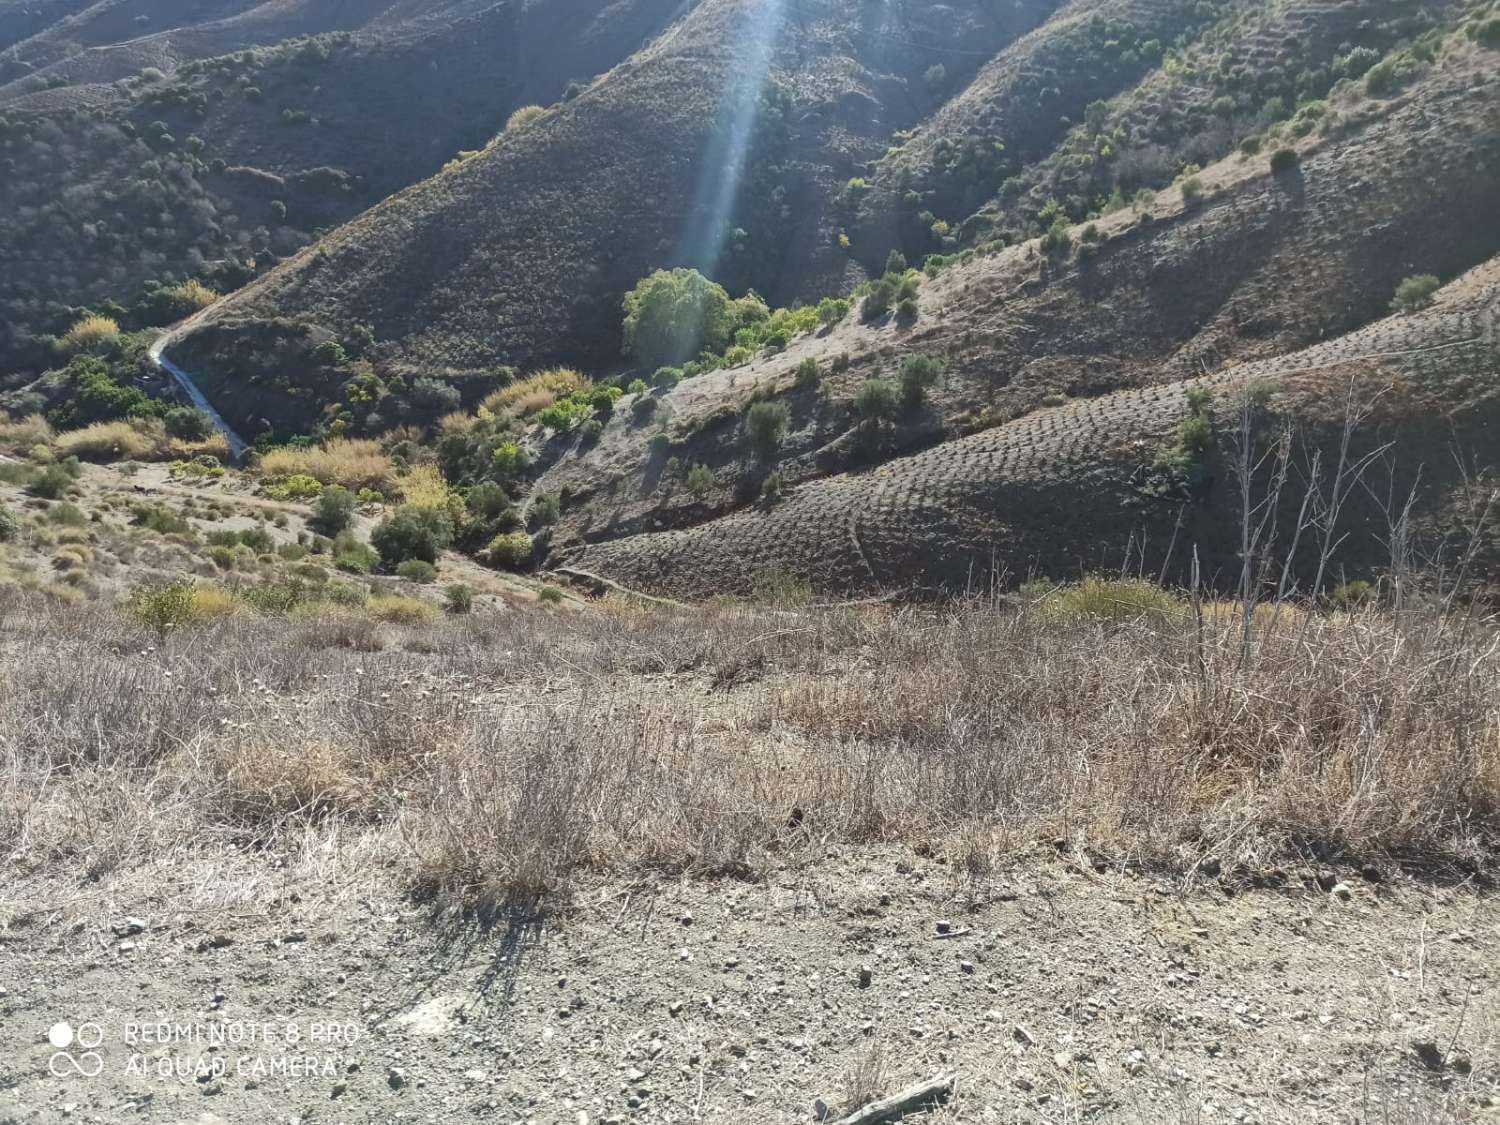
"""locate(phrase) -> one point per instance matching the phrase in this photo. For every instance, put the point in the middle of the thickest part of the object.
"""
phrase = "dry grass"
(136, 439)
(20, 435)
(88, 333)
(528, 746)
(535, 392)
(196, 294)
(354, 463)
(423, 486)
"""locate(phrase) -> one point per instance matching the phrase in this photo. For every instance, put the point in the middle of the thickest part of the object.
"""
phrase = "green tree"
(918, 374)
(412, 533)
(876, 401)
(333, 511)
(673, 315)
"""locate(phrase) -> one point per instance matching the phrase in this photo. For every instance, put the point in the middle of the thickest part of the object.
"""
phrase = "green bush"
(9, 525)
(67, 515)
(349, 594)
(511, 550)
(51, 482)
(458, 598)
(550, 594)
(918, 374)
(831, 310)
(353, 556)
(766, 425)
(546, 510)
(700, 480)
(878, 301)
(415, 570)
(1111, 600)
(412, 533)
(1192, 191)
(1415, 293)
(333, 511)
(1284, 160)
(1352, 595)
(807, 372)
(274, 597)
(163, 607)
(487, 501)
(188, 423)
(876, 401)
(163, 521)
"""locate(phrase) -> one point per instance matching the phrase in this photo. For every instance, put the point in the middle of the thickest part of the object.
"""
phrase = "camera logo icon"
(85, 1061)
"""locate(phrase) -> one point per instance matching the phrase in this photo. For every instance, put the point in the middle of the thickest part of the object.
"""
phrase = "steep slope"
(240, 159)
(1269, 265)
(722, 145)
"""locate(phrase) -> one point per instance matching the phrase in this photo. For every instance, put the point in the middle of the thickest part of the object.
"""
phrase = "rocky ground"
(1054, 992)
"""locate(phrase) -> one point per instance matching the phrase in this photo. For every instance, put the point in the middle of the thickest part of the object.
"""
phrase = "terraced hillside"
(1065, 489)
(1082, 362)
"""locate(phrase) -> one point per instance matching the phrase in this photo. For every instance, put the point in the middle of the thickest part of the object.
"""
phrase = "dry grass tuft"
(535, 392)
(134, 439)
(89, 333)
(354, 463)
(20, 435)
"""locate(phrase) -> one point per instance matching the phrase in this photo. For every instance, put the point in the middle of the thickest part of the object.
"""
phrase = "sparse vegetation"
(1415, 293)
(765, 427)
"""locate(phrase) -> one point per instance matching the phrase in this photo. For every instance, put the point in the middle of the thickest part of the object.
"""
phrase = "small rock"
(821, 1112)
(339, 1089)
(129, 926)
(966, 967)
(944, 926)
(1021, 1035)
(127, 947)
(294, 936)
(1341, 891)
(866, 975)
(395, 1077)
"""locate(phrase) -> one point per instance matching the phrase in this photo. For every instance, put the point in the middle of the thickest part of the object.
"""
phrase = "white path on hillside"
(157, 352)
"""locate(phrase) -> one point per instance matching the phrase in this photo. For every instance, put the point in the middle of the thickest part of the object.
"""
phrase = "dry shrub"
(133, 439)
(535, 392)
(264, 786)
(327, 628)
(216, 445)
(354, 463)
(523, 116)
(23, 434)
(423, 486)
(89, 333)
(195, 294)
(396, 610)
(456, 423)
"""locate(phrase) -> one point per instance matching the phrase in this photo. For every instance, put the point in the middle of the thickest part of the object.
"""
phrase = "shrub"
(1111, 600)
(522, 117)
(397, 610)
(52, 482)
(458, 598)
(350, 594)
(162, 608)
(412, 533)
(918, 374)
(415, 570)
(1415, 293)
(354, 557)
(163, 521)
(673, 315)
(876, 401)
(352, 462)
(831, 310)
(700, 479)
(89, 334)
(9, 525)
(878, 300)
(546, 510)
(487, 501)
(643, 407)
(1192, 191)
(67, 515)
(536, 392)
(1352, 595)
(777, 587)
(807, 372)
(24, 433)
(1059, 236)
(333, 511)
(766, 425)
(550, 594)
(330, 353)
(298, 486)
(1284, 160)
(511, 550)
(139, 439)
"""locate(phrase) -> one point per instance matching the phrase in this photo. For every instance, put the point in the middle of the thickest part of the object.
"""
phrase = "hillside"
(216, 148)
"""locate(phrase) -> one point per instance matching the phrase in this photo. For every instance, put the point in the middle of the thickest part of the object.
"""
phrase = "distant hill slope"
(204, 164)
(1235, 287)
(724, 144)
